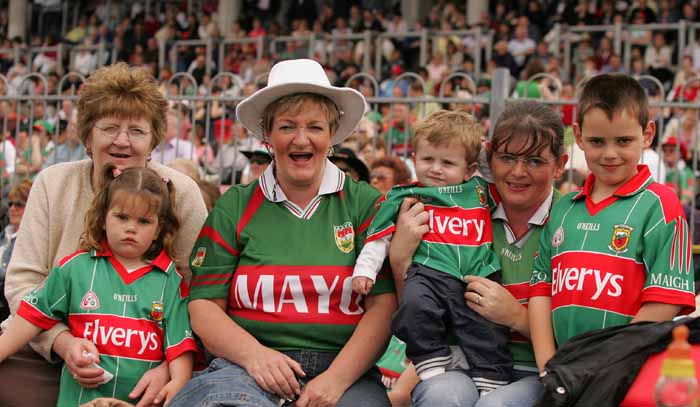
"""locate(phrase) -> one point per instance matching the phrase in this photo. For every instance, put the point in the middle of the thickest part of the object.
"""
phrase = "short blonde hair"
(294, 103)
(450, 127)
(121, 91)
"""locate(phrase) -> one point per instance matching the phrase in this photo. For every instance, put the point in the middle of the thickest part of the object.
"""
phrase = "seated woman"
(271, 293)
(525, 156)
(121, 118)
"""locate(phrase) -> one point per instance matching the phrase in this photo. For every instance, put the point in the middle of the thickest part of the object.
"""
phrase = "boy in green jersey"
(458, 244)
(619, 250)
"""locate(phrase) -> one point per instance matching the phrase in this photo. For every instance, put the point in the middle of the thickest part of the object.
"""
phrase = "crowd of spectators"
(523, 40)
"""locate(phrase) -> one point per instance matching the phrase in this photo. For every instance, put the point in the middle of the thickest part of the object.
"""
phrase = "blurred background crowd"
(442, 55)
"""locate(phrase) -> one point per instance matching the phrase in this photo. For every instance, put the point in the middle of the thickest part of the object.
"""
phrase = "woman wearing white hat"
(271, 296)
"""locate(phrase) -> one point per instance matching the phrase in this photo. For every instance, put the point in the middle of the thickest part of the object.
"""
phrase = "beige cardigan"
(53, 222)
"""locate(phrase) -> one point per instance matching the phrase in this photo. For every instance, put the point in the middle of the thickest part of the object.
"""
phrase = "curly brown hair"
(138, 186)
(123, 92)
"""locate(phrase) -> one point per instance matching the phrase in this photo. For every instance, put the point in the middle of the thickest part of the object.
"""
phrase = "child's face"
(441, 164)
(612, 147)
(130, 228)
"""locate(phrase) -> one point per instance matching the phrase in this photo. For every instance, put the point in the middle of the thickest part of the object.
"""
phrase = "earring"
(331, 151)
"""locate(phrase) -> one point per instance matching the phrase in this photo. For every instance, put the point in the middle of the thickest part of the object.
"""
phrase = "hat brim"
(249, 153)
(354, 163)
(350, 102)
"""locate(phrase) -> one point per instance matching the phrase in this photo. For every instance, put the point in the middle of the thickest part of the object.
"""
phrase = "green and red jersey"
(682, 181)
(460, 236)
(516, 269)
(600, 262)
(136, 319)
(287, 271)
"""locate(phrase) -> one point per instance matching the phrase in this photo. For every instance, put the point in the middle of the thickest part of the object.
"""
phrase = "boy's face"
(441, 164)
(612, 147)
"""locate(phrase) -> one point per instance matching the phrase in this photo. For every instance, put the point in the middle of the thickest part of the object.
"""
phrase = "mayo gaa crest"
(620, 238)
(90, 301)
(157, 311)
(344, 237)
(482, 195)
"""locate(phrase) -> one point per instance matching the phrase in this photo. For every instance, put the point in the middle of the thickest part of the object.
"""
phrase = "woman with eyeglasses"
(388, 171)
(121, 118)
(525, 156)
(16, 200)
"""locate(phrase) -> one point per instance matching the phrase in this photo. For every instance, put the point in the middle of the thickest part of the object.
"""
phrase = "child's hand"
(80, 366)
(169, 391)
(362, 285)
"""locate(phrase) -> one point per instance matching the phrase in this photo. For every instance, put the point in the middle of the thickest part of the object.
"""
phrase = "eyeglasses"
(379, 176)
(533, 162)
(112, 131)
(16, 204)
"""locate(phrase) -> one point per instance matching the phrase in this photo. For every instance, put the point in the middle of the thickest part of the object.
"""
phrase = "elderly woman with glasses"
(271, 295)
(525, 156)
(121, 118)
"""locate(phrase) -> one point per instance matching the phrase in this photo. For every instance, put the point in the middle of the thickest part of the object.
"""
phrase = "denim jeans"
(226, 384)
(455, 388)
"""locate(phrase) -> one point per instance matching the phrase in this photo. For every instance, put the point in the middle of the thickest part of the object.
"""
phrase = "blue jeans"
(226, 384)
(455, 388)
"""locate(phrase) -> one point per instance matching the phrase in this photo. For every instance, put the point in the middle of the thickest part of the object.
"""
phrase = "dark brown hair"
(613, 93)
(147, 187)
(538, 124)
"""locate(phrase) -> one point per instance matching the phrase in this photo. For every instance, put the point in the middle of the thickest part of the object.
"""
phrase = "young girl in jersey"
(120, 292)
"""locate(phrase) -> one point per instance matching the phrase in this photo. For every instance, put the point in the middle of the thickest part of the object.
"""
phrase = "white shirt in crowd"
(172, 149)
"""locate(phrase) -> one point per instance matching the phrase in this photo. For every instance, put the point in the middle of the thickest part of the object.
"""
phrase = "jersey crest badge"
(558, 237)
(482, 195)
(199, 257)
(620, 238)
(90, 301)
(344, 237)
(157, 311)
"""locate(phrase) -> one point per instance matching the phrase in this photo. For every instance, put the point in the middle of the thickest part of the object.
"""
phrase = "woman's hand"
(324, 390)
(495, 303)
(71, 349)
(151, 383)
(275, 372)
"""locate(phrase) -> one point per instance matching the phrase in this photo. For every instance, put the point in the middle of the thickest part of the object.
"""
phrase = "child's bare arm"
(656, 311)
(18, 333)
(400, 393)
(180, 373)
(541, 334)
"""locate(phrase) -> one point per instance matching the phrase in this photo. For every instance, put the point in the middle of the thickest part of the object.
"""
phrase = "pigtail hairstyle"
(133, 185)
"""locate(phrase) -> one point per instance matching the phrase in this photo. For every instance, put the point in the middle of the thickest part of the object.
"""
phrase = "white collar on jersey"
(537, 219)
(332, 182)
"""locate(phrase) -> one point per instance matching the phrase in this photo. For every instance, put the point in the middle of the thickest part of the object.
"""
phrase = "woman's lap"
(34, 381)
(227, 384)
(455, 388)
(520, 393)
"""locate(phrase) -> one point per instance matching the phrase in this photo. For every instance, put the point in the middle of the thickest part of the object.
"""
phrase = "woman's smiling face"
(300, 142)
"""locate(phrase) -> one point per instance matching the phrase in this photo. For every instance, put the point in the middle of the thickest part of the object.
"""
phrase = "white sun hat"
(301, 76)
